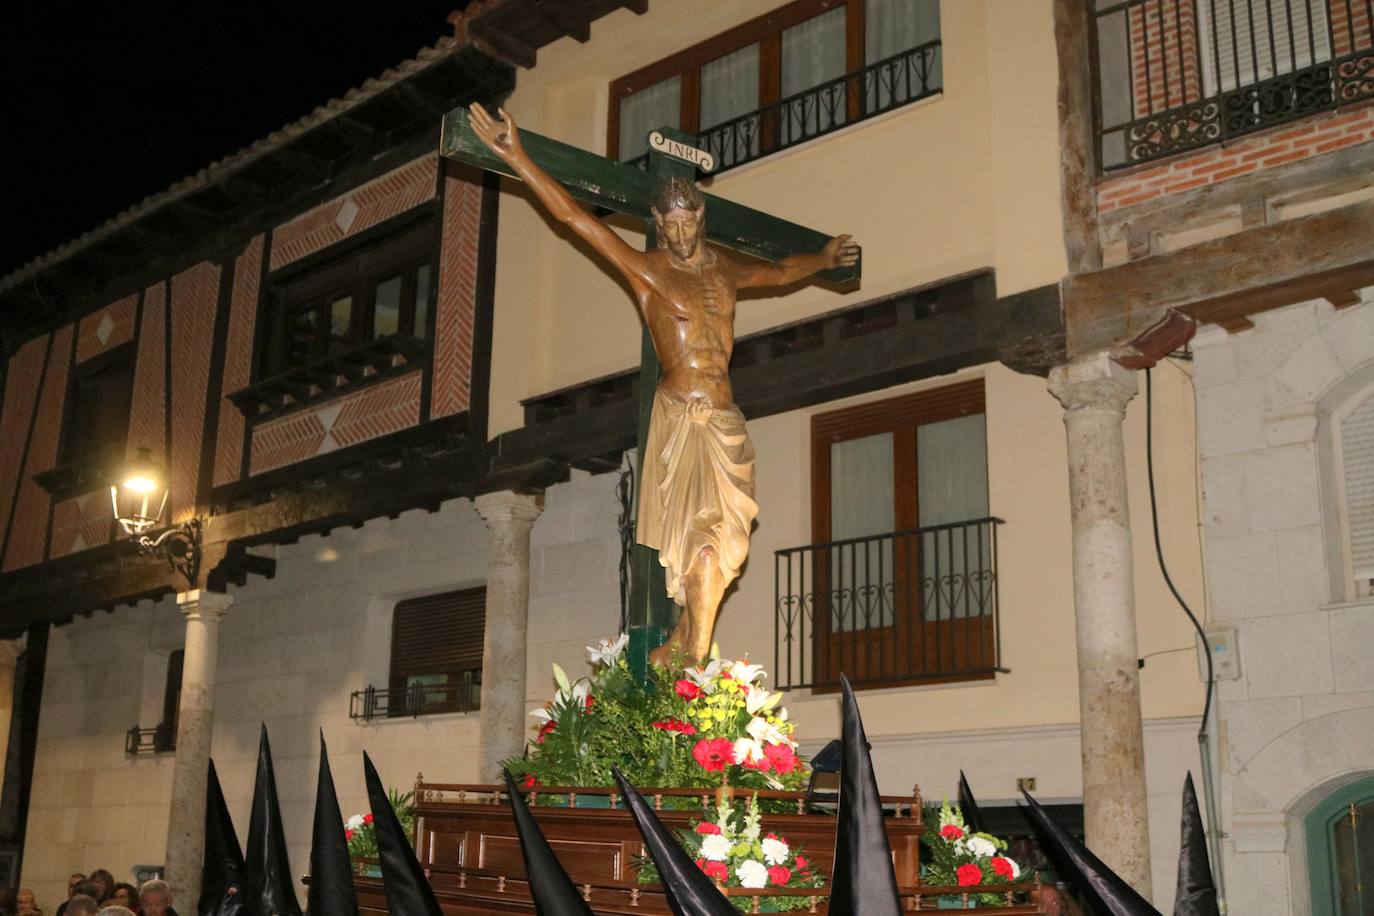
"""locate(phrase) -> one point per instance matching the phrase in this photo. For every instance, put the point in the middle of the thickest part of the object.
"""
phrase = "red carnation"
(952, 832)
(591, 701)
(782, 757)
(969, 875)
(367, 818)
(1002, 867)
(802, 863)
(779, 875)
(348, 834)
(713, 754)
(545, 730)
(686, 689)
(529, 781)
(716, 871)
(706, 828)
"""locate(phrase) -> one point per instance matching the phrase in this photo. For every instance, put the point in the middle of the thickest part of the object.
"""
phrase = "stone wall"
(1300, 719)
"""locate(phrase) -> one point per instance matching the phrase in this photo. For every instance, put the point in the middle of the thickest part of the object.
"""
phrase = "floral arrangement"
(961, 857)
(733, 851)
(361, 834)
(699, 725)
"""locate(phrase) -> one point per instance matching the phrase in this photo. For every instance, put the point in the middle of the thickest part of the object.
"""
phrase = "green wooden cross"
(601, 182)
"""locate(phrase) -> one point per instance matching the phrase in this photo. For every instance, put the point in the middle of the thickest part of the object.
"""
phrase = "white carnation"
(775, 852)
(354, 822)
(981, 847)
(715, 847)
(752, 873)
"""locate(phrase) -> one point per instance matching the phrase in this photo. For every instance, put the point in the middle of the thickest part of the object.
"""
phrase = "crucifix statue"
(696, 491)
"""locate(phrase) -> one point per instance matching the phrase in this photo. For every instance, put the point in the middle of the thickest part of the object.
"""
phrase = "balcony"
(160, 739)
(911, 607)
(421, 697)
(1176, 75)
(876, 89)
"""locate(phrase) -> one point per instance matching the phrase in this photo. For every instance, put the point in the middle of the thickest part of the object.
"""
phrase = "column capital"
(204, 604)
(507, 505)
(1093, 382)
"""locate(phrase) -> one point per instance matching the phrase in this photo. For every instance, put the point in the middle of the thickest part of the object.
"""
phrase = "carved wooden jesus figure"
(696, 502)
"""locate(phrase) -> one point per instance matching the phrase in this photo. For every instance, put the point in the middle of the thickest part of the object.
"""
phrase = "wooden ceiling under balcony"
(515, 30)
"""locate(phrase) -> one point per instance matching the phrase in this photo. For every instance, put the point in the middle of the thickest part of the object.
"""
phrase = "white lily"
(744, 672)
(703, 677)
(757, 699)
(605, 652)
(541, 715)
(764, 732)
(748, 750)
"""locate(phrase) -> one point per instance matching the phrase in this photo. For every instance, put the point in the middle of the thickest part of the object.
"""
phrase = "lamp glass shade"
(138, 494)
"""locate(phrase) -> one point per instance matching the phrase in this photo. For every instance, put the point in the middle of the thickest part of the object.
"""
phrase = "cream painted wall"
(962, 181)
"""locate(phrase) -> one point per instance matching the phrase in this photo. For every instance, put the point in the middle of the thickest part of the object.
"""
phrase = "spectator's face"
(27, 904)
(72, 882)
(120, 897)
(155, 903)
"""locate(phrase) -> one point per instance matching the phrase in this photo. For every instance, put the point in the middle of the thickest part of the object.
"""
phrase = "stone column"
(9, 658)
(509, 517)
(1094, 391)
(195, 721)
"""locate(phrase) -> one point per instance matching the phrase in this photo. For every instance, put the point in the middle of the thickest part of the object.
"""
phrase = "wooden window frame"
(902, 416)
(74, 449)
(355, 273)
(767, 31)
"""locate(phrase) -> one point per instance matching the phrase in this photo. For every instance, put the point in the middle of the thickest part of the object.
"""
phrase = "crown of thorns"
(677, 194)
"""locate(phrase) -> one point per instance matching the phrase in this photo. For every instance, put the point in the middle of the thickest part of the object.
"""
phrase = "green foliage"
(362, 833)
(955, 856)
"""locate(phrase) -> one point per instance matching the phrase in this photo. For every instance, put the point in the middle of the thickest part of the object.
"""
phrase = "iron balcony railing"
(160, 739)
(901, 79)
(908, 607)
(1175, 75)
(462, 695)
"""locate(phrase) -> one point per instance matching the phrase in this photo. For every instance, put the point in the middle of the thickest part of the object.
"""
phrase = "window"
(902, 568)
(1246, 44)
(1357, 472)
(436, 654)
(98, 419)
(383, 290)
(795, 60)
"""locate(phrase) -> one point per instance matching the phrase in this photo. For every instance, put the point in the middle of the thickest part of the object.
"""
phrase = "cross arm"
(600, 182)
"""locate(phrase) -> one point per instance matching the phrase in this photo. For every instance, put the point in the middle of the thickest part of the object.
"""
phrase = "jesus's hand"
(841, 251)
(502, 139)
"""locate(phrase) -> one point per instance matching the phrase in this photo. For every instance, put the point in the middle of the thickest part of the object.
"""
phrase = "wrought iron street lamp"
(138, 495)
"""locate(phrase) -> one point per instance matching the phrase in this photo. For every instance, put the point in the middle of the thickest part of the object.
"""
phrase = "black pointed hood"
(553, 891)
(331, 876)
(968, 807)
(268, 888)
(1097, 883)
(223, 864)
(863, 882)
(689, 891)
(407, 890)
(1197, 893)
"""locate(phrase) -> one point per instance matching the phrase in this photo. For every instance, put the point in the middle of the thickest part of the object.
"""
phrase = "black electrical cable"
(1159, 549)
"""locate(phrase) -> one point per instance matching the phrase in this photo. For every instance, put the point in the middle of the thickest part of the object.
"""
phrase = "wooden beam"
(561, 15)
(1224, 279)
(1078, 165)
(1343, 299)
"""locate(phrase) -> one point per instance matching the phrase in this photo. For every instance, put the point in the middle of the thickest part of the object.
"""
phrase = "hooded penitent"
(968, 807)
(1197, 894)
(331, 877)
(689, 891)
(553, 891)
(268, 886)
(221, 875)
(863, 883)
(1101, 886)
(407, 891)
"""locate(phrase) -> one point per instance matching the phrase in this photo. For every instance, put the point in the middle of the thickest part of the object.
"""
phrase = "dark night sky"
(107, 103)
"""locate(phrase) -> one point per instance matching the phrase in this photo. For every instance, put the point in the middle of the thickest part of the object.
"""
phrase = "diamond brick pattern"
(378, 200)
(29, 529)
(195, 295)
(23, 376)
(452, 383)
(238, 361)
(382, 409)
(81, 522)
(147, 414)
(105, 329)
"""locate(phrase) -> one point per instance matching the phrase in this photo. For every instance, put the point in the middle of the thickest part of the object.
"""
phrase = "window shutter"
(1238, 61)
(438, 634)
(1357, 456)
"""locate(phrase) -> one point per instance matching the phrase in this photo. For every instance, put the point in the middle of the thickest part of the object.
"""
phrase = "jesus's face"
(679, 230)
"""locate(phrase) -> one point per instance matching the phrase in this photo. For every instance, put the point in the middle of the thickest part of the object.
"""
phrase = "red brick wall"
(23, 376)
(29, 529)
(81, 522)
(347, 215)
(106, 329)
(195, 294)
(457, 292)
(1278, 146)
(238, 361)
(1346, 24)
(1164, 55)
(148, 413)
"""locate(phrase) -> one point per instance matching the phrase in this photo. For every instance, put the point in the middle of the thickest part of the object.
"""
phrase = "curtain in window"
(660, 105)
(892, 27)
(1357, 459)
(952, 482)
(813, 53)
(861, 504)
(729, 89)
